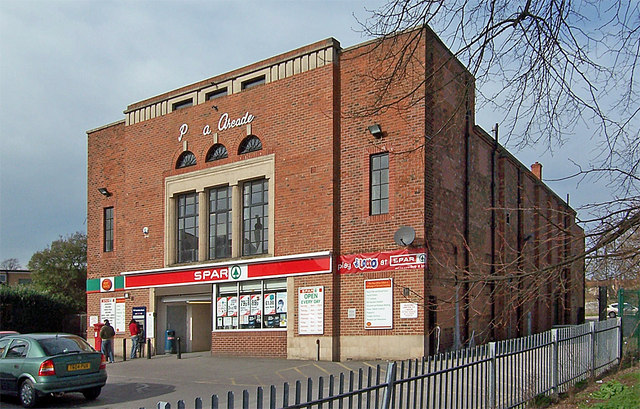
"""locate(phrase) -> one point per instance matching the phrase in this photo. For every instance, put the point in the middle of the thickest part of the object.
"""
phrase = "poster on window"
(232, 306)
(221, 307)
(269, 304)
(378, 303)
(281, 303)
(245, 305)
(256, 304)
(311, 310)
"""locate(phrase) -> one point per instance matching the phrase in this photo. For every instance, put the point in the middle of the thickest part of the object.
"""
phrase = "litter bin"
(170, 342)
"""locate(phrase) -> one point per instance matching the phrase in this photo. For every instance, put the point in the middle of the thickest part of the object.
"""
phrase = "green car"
(33, 365)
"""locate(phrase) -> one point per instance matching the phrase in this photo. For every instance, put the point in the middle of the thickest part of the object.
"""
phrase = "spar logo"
(235, 272)
(407, 259)
(366, 263)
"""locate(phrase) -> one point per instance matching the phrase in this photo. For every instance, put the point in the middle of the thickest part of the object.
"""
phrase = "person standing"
(107, 333)
(134, 329)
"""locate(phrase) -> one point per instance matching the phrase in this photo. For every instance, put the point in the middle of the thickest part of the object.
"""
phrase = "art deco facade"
(268, 211)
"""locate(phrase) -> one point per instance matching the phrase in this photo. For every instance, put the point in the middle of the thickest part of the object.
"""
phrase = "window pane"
(384, 206)
(187, 228)
(255, 217)
(220, 223)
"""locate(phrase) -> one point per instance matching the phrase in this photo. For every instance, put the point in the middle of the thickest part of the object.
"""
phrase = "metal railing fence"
(505, 374)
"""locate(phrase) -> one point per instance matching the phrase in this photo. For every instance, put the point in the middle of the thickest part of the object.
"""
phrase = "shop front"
(216, 306)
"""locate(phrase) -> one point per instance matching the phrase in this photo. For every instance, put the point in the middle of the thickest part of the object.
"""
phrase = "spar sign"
(383, 261)
(315, 263)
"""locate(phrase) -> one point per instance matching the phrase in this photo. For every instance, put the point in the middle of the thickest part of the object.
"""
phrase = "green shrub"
(25, 309)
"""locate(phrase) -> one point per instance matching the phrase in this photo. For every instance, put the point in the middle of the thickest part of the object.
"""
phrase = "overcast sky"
(70, 66)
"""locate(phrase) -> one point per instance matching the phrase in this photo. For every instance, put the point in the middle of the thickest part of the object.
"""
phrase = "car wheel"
(92, 393)
(28, 394)
(612, 314)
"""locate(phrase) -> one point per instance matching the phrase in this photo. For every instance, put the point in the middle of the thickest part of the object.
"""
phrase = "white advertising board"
(108, 310)
(378, 303)
(311, 310)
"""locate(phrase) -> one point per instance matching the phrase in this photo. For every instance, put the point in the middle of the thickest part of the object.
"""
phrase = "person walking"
(134, 330)
(107, 333)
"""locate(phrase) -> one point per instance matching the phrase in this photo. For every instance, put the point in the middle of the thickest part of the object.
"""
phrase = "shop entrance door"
(177, 321)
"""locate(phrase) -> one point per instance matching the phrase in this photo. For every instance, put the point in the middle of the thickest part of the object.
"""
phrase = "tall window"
(188, 227)
(255, 217)
(379, 189)
(108, 229)
(220, 223)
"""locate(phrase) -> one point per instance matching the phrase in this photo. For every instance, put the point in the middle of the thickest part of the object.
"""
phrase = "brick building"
(268, 212)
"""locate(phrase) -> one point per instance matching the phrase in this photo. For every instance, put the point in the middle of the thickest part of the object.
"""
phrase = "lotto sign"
(383, 261)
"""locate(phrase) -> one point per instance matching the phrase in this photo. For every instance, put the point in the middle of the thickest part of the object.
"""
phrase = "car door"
(12, 364)
(4, 375)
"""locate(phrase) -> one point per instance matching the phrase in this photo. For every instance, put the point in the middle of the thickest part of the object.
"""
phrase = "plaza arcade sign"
(224, 123)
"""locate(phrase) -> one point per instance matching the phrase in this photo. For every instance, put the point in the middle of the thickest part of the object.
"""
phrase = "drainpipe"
(519, 255)
(492, 286)
(465, 286)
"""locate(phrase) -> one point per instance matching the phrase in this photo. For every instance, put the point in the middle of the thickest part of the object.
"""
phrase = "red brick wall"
(313, 124)
(271, 344)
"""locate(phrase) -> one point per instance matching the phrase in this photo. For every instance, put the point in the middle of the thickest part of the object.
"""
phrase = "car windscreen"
(64, 345)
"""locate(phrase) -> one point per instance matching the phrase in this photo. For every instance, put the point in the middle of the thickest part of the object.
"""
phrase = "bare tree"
(10, 264)
(549, 68)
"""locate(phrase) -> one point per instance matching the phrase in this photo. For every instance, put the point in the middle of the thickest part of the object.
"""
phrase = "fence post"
(493, 364)
(620, 339)
(390, 388)
(554, 362)
(594, 345)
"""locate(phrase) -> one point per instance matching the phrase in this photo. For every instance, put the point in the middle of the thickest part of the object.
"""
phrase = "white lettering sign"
(211, 274)
(184, 128)
(225, 123)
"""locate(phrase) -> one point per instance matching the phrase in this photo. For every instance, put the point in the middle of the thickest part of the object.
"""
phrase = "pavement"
(142, 382)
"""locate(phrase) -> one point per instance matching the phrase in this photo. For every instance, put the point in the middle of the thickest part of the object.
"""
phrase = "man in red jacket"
(134, 330)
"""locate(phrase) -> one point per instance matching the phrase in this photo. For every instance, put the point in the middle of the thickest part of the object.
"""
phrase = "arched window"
(250, 144)
(217, 151)
(187, 158)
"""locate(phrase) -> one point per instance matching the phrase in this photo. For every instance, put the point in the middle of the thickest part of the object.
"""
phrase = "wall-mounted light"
(375, 130)
(103, 191)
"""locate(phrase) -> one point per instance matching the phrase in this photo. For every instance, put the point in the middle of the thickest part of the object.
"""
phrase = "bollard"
(148, 348)
(178, 345)
(124, 349)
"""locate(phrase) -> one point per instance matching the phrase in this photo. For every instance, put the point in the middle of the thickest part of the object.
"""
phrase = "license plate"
(78, 367)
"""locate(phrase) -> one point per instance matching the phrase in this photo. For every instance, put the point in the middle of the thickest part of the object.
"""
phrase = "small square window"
(253, 82)
(216, 94)
(183, 104)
